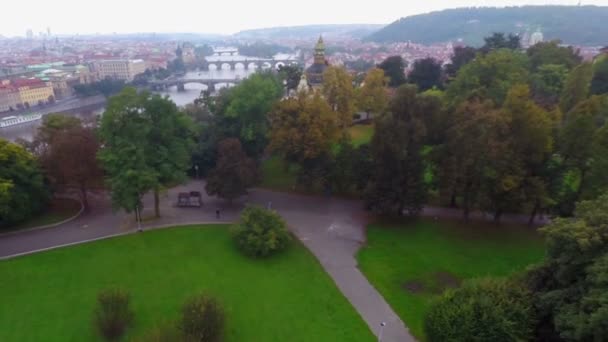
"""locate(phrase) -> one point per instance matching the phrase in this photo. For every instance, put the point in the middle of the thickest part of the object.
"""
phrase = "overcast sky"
(221, 16)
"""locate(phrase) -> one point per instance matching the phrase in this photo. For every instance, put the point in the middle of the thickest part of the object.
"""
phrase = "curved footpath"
(333, 230)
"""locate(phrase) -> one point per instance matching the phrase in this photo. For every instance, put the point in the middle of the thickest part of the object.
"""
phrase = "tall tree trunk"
(84, 199)
(466, 212)
(534, 212)
(157, 202)
(453, 200)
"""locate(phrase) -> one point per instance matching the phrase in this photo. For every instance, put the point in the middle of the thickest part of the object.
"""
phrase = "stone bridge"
(181, 82)
(246, 63)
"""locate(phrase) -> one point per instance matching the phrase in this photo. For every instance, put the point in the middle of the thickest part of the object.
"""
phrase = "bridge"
(181, 82)
(218, 62)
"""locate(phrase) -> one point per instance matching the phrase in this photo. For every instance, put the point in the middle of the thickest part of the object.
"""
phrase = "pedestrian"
(217, 213)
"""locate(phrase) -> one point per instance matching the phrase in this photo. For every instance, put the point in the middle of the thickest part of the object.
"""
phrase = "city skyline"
(115, 16)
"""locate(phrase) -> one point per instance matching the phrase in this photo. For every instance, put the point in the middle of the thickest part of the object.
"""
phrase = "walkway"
(333, 229)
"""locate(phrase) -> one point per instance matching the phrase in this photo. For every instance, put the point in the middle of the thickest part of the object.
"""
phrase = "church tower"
(320, 51)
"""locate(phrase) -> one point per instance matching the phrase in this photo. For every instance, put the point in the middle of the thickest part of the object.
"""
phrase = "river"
(88, 109)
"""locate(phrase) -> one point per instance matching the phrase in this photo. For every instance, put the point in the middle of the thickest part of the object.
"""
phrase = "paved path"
(333, 229)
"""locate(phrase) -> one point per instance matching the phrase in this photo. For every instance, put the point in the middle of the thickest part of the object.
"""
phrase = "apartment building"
(122, 69)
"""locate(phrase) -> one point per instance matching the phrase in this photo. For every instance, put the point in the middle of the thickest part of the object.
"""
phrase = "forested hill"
(577, 25)
(311, 31)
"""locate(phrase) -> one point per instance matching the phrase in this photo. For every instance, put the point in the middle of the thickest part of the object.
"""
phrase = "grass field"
(50, 296)
(361, 134)
(411, 264)
(59, 210)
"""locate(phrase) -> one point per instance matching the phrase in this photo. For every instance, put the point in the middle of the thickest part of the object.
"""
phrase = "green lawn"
(50, 296)
(361, 134)
(411, 264)
(59, 210)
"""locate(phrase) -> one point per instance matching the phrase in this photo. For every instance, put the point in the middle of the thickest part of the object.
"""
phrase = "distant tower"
(536, 37)
(320, 51)
(48, 31)
(29, 34)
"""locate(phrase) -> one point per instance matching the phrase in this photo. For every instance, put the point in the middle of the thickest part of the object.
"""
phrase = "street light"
(196, 168)
(382, 325)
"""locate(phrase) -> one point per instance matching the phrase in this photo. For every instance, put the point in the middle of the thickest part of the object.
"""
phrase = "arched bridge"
(180, 83)
(246, 63)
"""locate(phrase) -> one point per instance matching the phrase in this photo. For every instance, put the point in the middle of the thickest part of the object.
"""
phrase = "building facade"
(25, 93)
(121, 69)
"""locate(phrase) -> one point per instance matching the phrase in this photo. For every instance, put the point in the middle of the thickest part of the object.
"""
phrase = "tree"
(489, 77)
(261, 232)
(70, 161)
(291, 74)
(394, 69)
(248, 105)
(530, 144)
(482, 310)
(548, 83)
(461, 57)
(569, 286)
(472, 142)
(169, 143)
(499, 41)
(22, 190)
(339, 93)
(552, 53)
(234, 172)
(303, 130)
(577, 87)
(396, 184)
(202, 320)
(426, 74)
(599, 82)
(372, 96)
(124, 135)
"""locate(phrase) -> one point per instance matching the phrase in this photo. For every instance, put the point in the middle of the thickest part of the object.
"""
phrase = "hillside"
(577, 25)
(310, 31)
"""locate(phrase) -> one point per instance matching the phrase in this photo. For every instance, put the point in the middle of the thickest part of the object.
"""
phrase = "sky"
(222, 16)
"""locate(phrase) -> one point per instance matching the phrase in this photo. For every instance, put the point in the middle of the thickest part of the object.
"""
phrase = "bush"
(202, 320)
(261, 232)
(113, 315)
(484, 310)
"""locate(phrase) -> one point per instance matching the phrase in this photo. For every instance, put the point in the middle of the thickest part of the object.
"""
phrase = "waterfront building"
(24, 93)
(121, 69)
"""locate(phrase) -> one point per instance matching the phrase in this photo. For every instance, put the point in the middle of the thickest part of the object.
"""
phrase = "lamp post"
(196, 169)
(382, 325)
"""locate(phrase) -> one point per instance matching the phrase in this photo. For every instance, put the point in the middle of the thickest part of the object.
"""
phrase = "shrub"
(261, 232)
(202, 320)
(113, 314)
(483, 310)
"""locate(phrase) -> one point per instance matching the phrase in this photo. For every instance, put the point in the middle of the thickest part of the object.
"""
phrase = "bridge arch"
(240, 65)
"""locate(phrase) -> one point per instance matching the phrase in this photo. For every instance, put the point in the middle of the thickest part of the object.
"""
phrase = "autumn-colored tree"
(396, 185)
(303, 130)
(234, 172)
(339, 92)
(70, 161)
(551, 52)
(372, 96)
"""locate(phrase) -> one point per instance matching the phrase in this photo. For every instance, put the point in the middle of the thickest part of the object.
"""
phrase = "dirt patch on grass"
(414, 286)
(447, 280)
(435, 283)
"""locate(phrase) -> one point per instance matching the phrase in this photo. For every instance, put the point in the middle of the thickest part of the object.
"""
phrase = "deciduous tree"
(234, 172)
(426, 74)
(394, 69)
(22, 190)
(339, 93)
(372, 96)
(396, 185)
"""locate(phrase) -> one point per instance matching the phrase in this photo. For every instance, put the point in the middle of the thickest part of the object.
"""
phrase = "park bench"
(189, 199)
